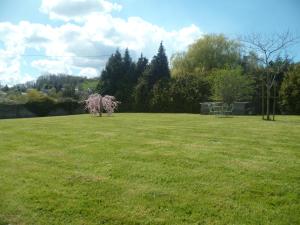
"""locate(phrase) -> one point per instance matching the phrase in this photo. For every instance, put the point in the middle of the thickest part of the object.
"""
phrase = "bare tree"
(268, 48)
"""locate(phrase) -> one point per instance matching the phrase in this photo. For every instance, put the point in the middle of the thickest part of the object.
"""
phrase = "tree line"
(214, 68)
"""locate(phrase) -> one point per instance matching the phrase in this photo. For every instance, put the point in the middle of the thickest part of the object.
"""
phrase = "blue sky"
(68, 31)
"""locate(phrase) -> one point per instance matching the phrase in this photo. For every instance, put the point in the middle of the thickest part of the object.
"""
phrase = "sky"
(77, 36)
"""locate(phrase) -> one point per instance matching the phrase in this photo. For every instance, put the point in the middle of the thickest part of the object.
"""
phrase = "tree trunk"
(274, 101)
(262, 100)
(101, 107)
(268, 102)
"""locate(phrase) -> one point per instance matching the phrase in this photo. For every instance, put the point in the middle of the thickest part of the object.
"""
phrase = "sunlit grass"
(150, 169)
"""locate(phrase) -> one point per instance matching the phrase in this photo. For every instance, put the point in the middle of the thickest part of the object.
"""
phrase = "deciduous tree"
(207, 53)
(231, 85)
(268, 49)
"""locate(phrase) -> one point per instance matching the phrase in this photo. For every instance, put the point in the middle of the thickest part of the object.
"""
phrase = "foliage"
(161, 97)
(126, 82)
(39, 103)
(141, 95)
(119, 78)
(111, 76)
(68, 91)
(95, 104)
(158, 68)
(143, 86)
(269, 48)
(290, 91)
(231, 85)
(156, 73)
(13, 96)
(64, 86)
(207, 53)
(180, 65)
(34, 95)
(69, 105)
(140, 92)
(187, 92)
(141, 66)
(58, 82)
(90, 85)
(180, 94)
(110, 104)
(40, 108)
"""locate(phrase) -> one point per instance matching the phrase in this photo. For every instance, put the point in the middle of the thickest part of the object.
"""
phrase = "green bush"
(290, 91)
(230, 85)
(41, 108)
(180, 94)
(69, 105)
(39, 103)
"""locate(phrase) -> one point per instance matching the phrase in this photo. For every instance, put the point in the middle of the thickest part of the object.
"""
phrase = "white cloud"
(10, 70)
(76, 9)
(98, 34)
(52, 66)
(88, 72)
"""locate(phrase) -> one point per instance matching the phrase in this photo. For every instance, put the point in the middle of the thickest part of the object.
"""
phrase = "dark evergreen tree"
(141, 95)
(111, 75)
(158, 70)
(128, 67)
(140, 92)
(126, 82)
(141, 66)
(159, 67)
(119, 79)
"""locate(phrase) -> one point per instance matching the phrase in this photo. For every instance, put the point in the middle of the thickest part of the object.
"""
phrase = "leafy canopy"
(290, 91)
(207, 53)
(231, 85)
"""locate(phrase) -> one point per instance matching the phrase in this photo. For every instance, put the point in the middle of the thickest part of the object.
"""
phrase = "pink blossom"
(95, 104)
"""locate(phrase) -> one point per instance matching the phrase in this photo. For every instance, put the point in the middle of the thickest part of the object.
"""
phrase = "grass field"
(150, 169)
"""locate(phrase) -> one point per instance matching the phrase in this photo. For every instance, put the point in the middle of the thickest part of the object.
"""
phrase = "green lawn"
(150, 169)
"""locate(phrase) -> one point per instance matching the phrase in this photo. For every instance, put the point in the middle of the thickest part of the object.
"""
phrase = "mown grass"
(150, 169)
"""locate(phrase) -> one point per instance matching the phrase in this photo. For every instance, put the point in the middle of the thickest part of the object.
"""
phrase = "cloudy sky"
(77, 36)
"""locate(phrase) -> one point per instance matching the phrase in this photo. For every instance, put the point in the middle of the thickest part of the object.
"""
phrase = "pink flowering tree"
(96, 104)
(109, 104)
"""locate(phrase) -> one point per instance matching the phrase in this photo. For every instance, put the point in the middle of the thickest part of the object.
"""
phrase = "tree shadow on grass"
(292, 122)
(224, 117)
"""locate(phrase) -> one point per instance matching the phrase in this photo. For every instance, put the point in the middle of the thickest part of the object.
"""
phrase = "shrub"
(180, 94)
(230, 85)
(95, 104)
(39, 103)
(187, 92)
(290, 91)
(69, 105)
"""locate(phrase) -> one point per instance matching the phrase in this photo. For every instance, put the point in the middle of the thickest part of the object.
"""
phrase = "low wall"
(14, 111)
(8, 111)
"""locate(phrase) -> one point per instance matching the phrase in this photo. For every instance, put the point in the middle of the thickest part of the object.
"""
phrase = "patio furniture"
(220, 109)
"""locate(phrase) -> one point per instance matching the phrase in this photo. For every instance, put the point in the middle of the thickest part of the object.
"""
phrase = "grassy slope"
(149, 169)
